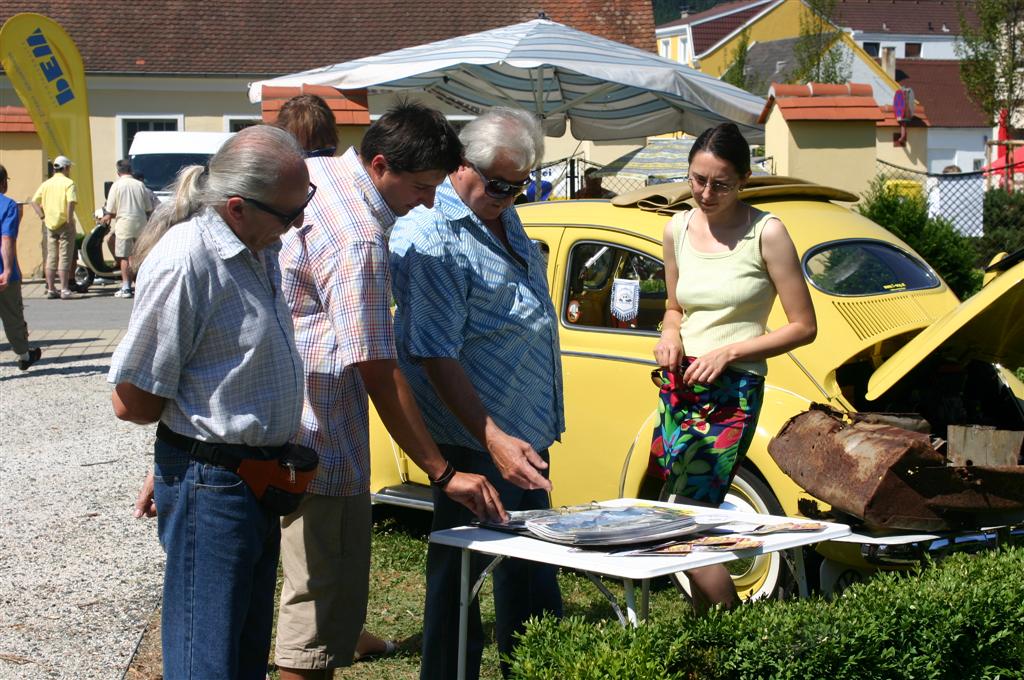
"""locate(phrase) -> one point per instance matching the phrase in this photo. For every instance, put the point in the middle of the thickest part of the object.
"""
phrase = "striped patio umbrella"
(606, 89)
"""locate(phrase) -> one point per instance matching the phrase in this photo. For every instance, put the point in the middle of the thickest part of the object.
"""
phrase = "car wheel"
(83, 279)
(764, 575)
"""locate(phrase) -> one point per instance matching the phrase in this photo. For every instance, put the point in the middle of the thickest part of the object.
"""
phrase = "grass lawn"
(397, 586)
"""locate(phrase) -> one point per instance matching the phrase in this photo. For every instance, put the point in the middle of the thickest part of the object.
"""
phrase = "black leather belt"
(222, 455)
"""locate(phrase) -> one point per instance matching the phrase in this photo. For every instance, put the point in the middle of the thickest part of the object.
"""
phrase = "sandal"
(390, 649)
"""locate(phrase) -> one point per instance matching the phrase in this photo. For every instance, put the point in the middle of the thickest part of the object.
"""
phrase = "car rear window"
(863, 267)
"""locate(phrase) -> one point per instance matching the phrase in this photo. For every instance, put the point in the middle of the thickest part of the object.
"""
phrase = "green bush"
(935, 239)
(963, 618)
(1004, 224)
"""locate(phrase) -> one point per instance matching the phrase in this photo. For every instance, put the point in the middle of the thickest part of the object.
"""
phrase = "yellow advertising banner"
(46, 71)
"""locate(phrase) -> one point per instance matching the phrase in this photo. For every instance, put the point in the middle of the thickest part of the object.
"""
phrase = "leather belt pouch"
(278, 482)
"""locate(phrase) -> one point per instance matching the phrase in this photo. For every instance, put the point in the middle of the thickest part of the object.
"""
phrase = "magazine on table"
(597, 525)
(700, 544)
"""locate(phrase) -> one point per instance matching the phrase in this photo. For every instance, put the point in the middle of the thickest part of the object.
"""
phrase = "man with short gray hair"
(477, 338)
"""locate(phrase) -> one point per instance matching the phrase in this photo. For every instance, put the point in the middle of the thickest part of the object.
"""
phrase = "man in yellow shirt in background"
(54, 203)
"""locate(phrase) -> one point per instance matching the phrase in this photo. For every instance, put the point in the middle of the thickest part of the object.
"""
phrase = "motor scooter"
(91, 261)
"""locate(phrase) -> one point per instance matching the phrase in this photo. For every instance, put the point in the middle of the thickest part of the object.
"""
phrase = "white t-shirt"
(130, 203)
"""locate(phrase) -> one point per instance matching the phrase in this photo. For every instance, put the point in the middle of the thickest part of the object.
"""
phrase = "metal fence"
(958, 197)
(564, 178)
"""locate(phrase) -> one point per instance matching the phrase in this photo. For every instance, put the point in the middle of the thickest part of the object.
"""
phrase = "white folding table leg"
(631, 602)
(463, 614)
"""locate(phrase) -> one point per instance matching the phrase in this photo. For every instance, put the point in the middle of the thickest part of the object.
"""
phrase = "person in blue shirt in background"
(12, 308)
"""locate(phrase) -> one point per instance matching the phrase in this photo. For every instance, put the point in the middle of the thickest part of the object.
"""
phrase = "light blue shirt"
(210, 332)
(461, 295)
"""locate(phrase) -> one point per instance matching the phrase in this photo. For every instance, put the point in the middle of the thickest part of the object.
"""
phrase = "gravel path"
(78, 575)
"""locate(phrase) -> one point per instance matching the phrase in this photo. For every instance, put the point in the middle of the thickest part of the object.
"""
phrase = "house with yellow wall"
(709, 41)
(886, 45)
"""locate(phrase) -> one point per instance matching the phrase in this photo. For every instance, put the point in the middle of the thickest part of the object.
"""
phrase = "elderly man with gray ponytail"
(210, 354)
(477, 338)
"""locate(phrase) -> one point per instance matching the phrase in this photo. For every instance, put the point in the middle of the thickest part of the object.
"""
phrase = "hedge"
(1004, 224)
(962, 618)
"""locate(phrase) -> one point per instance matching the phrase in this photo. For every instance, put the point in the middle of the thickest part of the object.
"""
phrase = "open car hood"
(987, 326)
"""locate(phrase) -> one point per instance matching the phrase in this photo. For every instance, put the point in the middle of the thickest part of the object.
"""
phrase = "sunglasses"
(286, 218)
(698, 183)
(501, 188)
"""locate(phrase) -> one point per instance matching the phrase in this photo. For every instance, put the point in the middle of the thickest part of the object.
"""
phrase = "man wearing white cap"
(54, 203)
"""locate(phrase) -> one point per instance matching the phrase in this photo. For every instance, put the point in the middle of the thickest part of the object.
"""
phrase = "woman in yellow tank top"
(725, 261)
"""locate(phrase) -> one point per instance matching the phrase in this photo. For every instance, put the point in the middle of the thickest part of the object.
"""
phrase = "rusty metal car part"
(890, 477)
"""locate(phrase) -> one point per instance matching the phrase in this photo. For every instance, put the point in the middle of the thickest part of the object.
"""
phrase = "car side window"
(612, 287)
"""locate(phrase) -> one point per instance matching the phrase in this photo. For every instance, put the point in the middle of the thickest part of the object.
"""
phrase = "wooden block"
(982, 445)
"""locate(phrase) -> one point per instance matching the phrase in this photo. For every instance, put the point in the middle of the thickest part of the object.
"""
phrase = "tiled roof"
(915, 17)
(819, 101)
(15, 119)
(348, 109)
(936, 83)
(710, 26)
(258, 37)
(717, 10)
(770, 61)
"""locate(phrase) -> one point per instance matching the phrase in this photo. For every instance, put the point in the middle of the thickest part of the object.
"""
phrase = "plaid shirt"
(336, 281)
(461, 296)
(210, 333)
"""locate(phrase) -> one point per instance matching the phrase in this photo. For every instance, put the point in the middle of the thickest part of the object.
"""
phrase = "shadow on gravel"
(47, 367)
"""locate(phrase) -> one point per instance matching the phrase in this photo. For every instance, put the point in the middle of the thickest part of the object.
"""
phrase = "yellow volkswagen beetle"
(872, 295)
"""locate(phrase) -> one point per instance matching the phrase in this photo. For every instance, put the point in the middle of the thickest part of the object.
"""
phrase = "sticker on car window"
(625, 299)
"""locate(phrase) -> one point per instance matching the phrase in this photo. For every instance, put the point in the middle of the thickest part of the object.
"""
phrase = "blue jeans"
(521, 589)
(222, 550)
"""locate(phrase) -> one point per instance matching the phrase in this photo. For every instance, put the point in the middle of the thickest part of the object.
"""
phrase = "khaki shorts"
(123, 247)
(60, 246)
(325, 555)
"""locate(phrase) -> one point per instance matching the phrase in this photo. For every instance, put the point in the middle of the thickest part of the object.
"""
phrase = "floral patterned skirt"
(703, 431)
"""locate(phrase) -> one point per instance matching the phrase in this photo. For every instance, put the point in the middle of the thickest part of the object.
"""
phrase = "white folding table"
(629, 568)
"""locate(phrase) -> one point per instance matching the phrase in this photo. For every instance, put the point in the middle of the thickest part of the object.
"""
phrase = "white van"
(159, 155)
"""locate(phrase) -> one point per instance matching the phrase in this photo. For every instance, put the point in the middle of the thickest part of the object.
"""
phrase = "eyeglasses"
(698, 183)
(501, 188)
(286, 218)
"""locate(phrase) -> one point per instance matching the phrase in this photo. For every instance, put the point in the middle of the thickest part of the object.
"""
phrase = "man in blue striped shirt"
(477, 337)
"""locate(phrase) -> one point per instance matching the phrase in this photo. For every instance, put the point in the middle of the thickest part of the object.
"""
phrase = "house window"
(129, 126)
(663, 48)
(912, 50)
(872, 48)
(236, 123)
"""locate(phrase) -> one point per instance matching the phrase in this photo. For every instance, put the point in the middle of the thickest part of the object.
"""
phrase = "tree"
(820, 57)
(665, 11)
(991, 55)
(670, 10)
(735, 75)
